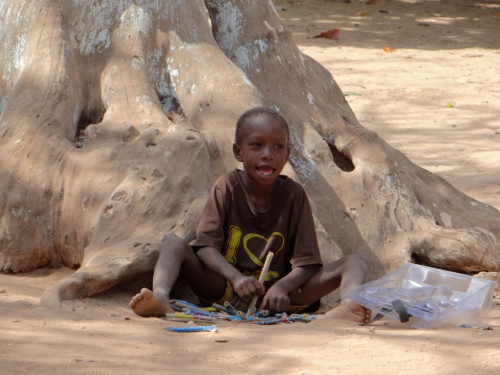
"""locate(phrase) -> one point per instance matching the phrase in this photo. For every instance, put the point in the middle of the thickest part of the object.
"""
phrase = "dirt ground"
(435, 97)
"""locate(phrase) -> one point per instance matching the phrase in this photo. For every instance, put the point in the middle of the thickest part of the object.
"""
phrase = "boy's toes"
(146, 294)
(350, 311)
(368, 316)
(135, 299)
(147, 304)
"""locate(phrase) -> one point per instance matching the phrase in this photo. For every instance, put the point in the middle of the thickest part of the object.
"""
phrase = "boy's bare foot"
(147, 304)
(350, 311)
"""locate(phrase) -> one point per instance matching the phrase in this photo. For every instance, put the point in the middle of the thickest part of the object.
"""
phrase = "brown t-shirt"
(231, 224)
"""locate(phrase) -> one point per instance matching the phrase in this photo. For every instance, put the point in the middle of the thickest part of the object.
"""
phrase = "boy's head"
(261, 144)
(258, 111)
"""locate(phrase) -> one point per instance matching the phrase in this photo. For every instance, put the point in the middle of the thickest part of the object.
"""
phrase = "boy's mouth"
(265, 171)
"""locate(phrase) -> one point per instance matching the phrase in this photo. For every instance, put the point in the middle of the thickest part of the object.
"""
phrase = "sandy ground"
(436, 98)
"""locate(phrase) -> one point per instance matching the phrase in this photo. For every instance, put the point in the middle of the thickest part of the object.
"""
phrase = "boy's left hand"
(276, 299)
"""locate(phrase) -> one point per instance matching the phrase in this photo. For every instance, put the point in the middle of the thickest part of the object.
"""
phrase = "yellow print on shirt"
(234, 240)
(232, 244)
(271, 275)
(264, 241)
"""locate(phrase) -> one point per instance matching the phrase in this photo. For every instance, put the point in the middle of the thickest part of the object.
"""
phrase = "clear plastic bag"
(431, 297)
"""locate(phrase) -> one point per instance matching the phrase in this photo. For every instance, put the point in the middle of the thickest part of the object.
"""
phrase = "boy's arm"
(276, 298)
(245, 286)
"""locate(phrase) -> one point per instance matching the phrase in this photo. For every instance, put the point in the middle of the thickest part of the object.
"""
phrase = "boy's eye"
(279, 146)
(256, 144)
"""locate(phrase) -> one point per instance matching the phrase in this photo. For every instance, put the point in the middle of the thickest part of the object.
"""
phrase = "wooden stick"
(262, 278)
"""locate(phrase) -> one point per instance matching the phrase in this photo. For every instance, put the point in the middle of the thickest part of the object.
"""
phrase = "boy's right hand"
(248, 287)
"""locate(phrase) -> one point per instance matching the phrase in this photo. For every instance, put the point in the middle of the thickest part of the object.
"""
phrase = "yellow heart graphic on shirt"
(250, 236)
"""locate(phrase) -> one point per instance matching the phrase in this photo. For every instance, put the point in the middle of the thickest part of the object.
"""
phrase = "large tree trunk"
(117, 116)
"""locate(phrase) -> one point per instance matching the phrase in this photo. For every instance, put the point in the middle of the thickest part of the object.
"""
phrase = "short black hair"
(256, 112)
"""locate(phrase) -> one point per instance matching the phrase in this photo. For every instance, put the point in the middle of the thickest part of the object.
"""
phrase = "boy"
(246, 210)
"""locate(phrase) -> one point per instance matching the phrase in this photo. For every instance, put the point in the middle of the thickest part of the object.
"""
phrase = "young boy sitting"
(246, 210)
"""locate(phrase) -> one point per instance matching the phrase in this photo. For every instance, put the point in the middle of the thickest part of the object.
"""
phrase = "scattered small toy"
(193, 329)
(187, 312)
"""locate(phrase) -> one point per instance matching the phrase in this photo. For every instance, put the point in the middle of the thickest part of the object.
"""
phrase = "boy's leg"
(176, 256)
(346, 273)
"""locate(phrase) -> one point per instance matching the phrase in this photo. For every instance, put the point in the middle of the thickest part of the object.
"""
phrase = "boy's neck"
(260, 194)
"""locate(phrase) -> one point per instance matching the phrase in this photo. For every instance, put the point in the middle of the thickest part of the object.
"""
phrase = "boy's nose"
(267, 153)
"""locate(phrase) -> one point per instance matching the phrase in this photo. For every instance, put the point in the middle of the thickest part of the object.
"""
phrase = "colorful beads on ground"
(187, 312)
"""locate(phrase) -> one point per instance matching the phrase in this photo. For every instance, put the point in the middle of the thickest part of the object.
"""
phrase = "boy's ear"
(237, 152)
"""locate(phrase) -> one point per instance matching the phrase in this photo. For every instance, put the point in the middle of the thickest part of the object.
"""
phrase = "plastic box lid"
(432, 297)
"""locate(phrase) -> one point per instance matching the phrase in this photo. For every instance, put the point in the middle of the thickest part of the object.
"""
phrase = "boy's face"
(263, 149)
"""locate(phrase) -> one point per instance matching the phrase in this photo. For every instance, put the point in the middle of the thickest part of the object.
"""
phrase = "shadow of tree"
(371, 25)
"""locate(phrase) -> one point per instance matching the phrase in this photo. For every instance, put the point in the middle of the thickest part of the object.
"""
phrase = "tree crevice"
(341, 160)
(89, 116)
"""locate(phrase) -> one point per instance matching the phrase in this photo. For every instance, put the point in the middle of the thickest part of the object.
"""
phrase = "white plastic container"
(431, 297)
